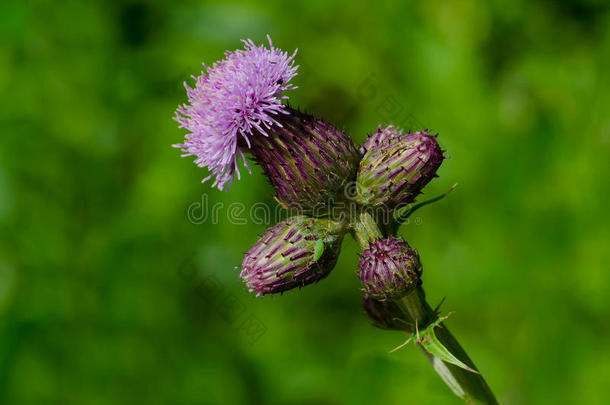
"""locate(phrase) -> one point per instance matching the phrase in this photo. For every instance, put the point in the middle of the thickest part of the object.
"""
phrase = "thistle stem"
(467, 385)
(365, 230)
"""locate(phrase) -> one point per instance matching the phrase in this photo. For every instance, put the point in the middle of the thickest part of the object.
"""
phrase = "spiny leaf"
(433, 346)
(429, 341)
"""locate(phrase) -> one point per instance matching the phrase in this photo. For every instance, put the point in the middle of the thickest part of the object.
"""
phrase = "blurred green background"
(110, 295)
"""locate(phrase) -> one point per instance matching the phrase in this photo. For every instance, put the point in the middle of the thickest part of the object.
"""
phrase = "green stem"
(468, 385)
(365, 230)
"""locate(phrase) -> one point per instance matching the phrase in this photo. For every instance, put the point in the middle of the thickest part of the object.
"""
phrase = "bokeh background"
(109, 294)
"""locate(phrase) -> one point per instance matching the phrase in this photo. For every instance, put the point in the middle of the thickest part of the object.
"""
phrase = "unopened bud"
(396, 166)
(296, 252)
(385, 314)
(389, 269)
(308, 162)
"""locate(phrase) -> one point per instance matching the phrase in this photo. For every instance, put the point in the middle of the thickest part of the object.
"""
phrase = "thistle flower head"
(309, 162)
(385, 314)
(389, 269)
(238, 97)
(296, 252)
(396, 166)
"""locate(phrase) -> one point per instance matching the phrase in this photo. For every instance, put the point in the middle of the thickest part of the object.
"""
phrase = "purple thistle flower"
(239, 97)
(389, 269)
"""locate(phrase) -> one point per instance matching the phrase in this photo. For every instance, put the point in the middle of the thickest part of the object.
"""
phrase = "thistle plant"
(238, 106)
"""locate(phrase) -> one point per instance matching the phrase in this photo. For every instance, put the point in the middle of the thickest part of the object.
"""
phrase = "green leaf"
(400, 216)
(429, 341)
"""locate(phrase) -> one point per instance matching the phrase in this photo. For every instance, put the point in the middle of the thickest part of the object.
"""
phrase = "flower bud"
(385, 314)
(383, 137)
(296, 252)
(389, 269)
(396, 166)
(308, 162)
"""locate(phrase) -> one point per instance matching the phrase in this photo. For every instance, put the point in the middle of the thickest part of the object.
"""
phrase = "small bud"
(389, 269)
(385, 314)
(296, 252)
(396, 166)
(308, 162)
(383, 137)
